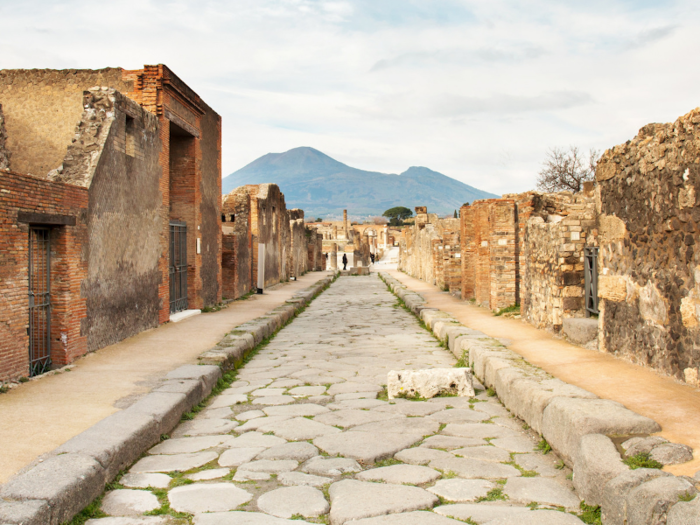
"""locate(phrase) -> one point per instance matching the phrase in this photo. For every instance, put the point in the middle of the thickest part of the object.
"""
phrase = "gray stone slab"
(250, 414)
(150, 520)
(485, 453)
(514, 444)
(273, 400)
(224, 401)
(305, 391)
(651, 501)
(365, 447)
(461, 490)
(355, 395)
(173, 463)
(188, 445)
(408, 409)
(255, 424)
(474, 468)
(216, 413)
(614, 507)
(253, 440)
(209, 474)
(459, 415)
(235, 457)
(268, 392)
(352, 387)
(299, 428)
(352, 417)
(684, 513)
(299, 500)
(127, 502)
(544, 465)
(542, 490)
(541, 517)
(28, 511)
(352, 500)
(401, 474)
(482, 513)
(157, 481)
(418, 517)
(207, 497)
(243, 518)
(272, 466)
(204, 427)
(451, 442)
(421, 455)
(286, 383)
(299, 478)
(596, 462)
(475, 430)
(300, 451)
(411, 425)
(580, 330)
(357, 403)
(330, 466)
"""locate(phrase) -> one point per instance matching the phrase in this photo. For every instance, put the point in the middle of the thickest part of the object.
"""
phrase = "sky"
(478, 90)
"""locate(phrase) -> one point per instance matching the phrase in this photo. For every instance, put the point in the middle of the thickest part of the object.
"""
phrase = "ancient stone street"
(306, 433)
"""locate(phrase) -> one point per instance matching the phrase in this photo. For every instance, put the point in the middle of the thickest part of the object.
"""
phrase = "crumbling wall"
(236, 260)
(449, 275)
(553, 245)
(649, 261)
(298, 263)
(42, 107)
(4, 154)
(418, 249)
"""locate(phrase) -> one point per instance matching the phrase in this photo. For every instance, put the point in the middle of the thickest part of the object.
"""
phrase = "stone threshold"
(184, 314)
(576, 424)
(57, 486)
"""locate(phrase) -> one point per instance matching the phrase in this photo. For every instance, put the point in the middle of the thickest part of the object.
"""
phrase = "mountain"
(322, 186)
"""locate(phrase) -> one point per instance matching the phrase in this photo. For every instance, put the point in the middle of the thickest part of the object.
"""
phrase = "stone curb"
(59, 485)
(576, 423)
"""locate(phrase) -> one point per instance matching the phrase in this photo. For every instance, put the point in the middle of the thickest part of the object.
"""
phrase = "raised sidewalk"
(41, 415)
(676, 407)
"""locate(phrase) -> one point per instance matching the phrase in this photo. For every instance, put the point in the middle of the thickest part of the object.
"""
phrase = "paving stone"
(544, 465)
(289, 501)
(474, 468)
(204, 427)
(300, 428)
(273, 400)
(207, 497)
(250, 414)
(206, 475)
(684, 513)
(365, 447)
(255, 424)
(223, 401)
(351, 417)
(254, 440)
(177, 462)
(126, 502)
(150, 520)
(483, 513)
(540, 517)
(215, 413)
(484, 453)
(401, 474)
(476, 430)
(421, 455)
(285, 383)
(357, 403)
(243, 518)
(451, 442)
(351, 387)
(235, 457)
(414, 425)
(157, 481)
(418, 517)
(542, 490)
(307, 391)
(299, 478)
(461, 490)
(330, 466)
(300, 451)
(408, 409)
(514, 444)
(271, 466)
(355, 395)
(353, 500)
(188, 445)
(268, 392)
(459, 415)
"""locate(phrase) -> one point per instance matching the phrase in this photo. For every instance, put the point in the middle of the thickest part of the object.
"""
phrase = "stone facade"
(649, 262)
(357, 241)
(4, 154)
(236, 258)
(298, 262)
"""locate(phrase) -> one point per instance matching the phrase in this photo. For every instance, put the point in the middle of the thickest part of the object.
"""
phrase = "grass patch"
(92, 511)
(495, 494)
(589, 514)
(641, 460)
(388, 462)
(463, 362)
(512, 309)
(490, 392)
(544, 447)
(688, 496)
(164, 509)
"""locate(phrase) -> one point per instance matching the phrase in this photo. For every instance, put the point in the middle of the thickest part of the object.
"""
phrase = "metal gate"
(39, 300)
(178, 267)
(590, 269)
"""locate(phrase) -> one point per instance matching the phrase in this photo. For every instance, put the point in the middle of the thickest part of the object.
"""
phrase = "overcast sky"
(475, 89)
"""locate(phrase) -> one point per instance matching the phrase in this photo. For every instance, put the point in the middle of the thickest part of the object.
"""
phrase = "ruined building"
(110, 213)
(356, 241)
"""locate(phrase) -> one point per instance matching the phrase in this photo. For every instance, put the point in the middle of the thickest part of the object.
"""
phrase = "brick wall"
(236, 262)
(23, 193)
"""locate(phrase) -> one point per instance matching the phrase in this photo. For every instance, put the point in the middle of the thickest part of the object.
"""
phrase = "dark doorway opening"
(39, 300)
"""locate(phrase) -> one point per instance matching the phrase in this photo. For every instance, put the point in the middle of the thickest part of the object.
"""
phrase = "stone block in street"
(290, 501)
(299, 428)
(204, 427)
(127, 502)
(417, 517)
(299, 451)
(331, 466)
(254, 440)
(684, 513)
(365, 447)
(299, 478)
(474, 468)
(461, 490)
(651, 501)
(482, 513)
(596, 462)
(614, 507)
(421, 455)
(400, 474)
(580, 330)
(207, 497)
(157, 481)
(171, 463)
(188, 445)
(243, 518)
(429, 383)
(545, 491)
(235, 457)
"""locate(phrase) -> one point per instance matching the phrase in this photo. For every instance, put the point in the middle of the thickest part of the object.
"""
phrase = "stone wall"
(649, 262)
(236, 258)
(4, 153)
(298, 259)
(560, 227)
(419, 245)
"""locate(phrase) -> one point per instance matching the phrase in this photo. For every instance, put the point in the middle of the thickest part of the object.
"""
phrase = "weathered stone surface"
(250, 414)
(461, 490)
(484, 453)
(540, 517)
(474, 468)
(672, 453)
(299, 478)
(355, 395)
(272, 466)
(365, 447)
(188, 445)
(126, 502)
(297, 451)
(150, 520)
(243, 518)
(514, 444)
(459, 415)
(352, 387)
(596, 462)
(411, 425)
(304, 409)
(172, 463)
(28, 511)
(421, 455)
(224, 401)
(352, 500)
(254, 440)
(235, 457)
(401, 474)
(451, 442)
(303, 391)
(207, 497)
(580, 330)
(429, 383)
(300, 428)
(255, 424)
(204, 427)
(331, 466)
(684, 513)
(541, 490)
(614, 507)
(408, 409)
(482, 513)
(418, 517)
(269, 392)
(273, 400)
(475, 430)
(351, 418)
(651, 501)
(209, 474)
(157, 481)
(289, 501)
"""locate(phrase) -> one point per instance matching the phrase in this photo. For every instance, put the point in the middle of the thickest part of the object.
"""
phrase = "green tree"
(455, 215)
(397, 215)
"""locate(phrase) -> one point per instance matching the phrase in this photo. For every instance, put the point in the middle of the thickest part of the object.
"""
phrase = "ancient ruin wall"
(649, 262)
(298, 261)
(4, 154)
(236, 259)
(42, 107)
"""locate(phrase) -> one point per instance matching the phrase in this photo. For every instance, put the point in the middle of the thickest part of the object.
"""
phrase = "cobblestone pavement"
(306, 435)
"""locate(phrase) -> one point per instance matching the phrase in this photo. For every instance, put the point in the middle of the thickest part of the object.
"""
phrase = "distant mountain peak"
(321, 185)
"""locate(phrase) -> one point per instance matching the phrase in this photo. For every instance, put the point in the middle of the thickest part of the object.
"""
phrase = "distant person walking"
(371, 256)
(345, 262)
